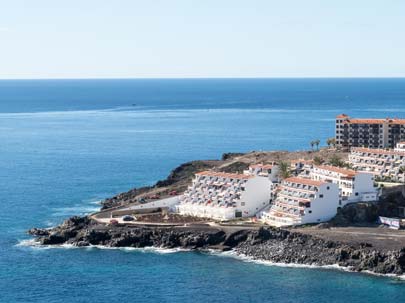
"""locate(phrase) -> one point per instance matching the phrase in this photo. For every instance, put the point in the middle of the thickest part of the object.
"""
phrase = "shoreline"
(295, 246)
(218, 253)
(266, 244)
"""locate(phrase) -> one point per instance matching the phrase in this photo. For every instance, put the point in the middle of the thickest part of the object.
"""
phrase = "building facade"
(302, 201)
(265, 170)
(354, 186)
(225, 196)
(380, 162)
(370, 133)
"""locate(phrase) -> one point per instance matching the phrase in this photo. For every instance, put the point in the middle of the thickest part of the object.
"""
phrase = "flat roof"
(304, 181)
(377, 151)
(223, 175)
(375, 121)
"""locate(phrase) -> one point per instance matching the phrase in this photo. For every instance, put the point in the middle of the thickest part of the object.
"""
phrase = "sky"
(201, 38)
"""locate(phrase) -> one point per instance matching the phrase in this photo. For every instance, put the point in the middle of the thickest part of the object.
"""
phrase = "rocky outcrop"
(178, 179)
(271, 244)
(295, 248)
(356, 214)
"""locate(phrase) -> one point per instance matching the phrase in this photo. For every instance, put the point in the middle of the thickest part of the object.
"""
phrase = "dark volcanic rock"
(184, 171)
(272, 244)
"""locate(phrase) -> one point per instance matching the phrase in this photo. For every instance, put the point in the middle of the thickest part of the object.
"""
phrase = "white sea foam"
(28, 242)
(244, 258)
(33, 243)
(145, 111)
(229, 254)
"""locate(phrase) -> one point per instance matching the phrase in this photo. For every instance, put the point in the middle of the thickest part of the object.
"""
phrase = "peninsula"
(342, 205)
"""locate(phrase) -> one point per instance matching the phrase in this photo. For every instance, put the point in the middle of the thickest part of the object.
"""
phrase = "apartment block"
(225, 196)
(370, 133)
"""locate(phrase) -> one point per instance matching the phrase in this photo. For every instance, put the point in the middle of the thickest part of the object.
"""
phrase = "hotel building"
(371, 133)
(354, 186)
(302, 201)
(380, 162)
(225, 196)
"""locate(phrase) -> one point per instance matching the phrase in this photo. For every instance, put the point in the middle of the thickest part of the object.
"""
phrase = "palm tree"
(312, 145)
(284, 170)
(331, 142)
(317, 142)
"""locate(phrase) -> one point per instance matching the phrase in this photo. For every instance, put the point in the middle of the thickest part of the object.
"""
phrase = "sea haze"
(67, 144)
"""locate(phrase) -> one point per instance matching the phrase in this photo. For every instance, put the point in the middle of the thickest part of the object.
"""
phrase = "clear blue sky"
(204, 38)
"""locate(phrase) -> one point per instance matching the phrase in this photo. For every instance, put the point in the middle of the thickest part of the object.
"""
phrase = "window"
(242, 203)
(321, 196)
(327, 187)
(356, 194)
(310, 211)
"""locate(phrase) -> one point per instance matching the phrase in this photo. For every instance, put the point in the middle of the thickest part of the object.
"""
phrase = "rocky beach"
(264, 243)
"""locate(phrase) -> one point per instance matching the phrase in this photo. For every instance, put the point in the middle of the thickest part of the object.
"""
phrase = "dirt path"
(381, 238)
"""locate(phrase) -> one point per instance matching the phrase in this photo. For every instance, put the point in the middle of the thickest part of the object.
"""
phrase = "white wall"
(363, 185)
(256, 196)
(168, 202)
(323, 209)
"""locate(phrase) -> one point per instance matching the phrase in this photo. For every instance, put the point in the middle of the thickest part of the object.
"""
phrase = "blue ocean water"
(66, 144)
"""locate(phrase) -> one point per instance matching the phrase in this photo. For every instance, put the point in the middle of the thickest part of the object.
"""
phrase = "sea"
(67, 144)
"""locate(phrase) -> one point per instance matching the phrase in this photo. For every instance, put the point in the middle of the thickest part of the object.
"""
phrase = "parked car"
(173, 193)
(128, 218)
(156, 196)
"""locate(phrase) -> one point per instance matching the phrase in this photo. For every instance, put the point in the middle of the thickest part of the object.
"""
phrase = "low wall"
(167, 203)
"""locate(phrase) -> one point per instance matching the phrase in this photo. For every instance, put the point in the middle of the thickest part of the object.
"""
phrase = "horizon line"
(199, 78)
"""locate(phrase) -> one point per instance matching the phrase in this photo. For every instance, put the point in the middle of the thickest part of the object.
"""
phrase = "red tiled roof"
(394, 121)
(223, 175)
(347, 172)
(304, 181)
(365, 121)
(342, 116)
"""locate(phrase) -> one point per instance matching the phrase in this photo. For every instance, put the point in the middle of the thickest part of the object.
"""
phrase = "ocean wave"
(33, 243)
(248, 259)
(140, 111)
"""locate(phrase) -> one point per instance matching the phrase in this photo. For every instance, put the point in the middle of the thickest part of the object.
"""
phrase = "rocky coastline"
(264, 243)
(288, 246)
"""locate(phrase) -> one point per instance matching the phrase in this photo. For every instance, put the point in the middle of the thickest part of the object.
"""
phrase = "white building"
(225, 196)
(302, 167)
(400, 147)
(354, 186)
(265, 170)
(303, 201)
(380, 162)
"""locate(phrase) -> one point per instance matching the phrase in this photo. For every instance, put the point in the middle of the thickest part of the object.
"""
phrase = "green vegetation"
(284, 171)
(336, 161)
(331, 142)
(315, 143)
(318, 160)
